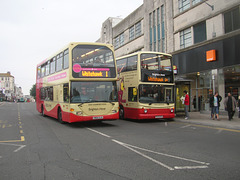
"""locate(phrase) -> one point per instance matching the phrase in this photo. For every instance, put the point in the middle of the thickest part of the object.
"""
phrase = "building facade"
(8, 89)
(203, 37)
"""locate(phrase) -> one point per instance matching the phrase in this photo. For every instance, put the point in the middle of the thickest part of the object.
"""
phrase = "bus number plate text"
(98, 117)
(158, 117)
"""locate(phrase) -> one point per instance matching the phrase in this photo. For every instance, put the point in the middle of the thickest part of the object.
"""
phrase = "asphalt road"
(36, 147)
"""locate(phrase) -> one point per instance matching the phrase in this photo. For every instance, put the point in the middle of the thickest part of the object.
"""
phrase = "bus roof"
(142, 52)
(73, 44)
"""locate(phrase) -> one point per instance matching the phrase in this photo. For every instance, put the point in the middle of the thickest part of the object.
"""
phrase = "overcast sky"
(33, 30)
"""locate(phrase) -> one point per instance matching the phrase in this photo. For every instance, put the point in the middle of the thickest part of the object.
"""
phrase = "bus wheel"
(43, 114)
(121, 113)
(60, 116)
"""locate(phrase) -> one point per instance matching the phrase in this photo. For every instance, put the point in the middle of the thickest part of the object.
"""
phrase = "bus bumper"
(75, 118)
(132, 113)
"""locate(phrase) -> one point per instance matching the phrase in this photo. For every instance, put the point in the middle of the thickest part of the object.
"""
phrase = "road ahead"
(36, 147)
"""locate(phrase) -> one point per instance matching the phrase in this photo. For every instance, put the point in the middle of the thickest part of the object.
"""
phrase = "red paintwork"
(133, 113)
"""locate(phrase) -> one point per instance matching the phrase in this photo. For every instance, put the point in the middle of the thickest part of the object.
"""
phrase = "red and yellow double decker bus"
(78, 84)
(146, 86)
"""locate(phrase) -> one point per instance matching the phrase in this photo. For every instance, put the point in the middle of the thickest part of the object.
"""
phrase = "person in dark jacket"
(211, 99)
(230, 105)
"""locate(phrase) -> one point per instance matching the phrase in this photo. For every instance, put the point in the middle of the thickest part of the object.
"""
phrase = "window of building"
(196, 1)
(66, 59)
(183, 5)
(131, 33)
(154, 31)
(200, 32)
(163, 28)
(150, 30)
(116, 42)
(185, 38)
(138, 29)
(121, 39)
(232, 20)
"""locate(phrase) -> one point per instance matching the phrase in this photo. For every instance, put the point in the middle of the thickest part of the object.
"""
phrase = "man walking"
(186, 104)
(230, 105)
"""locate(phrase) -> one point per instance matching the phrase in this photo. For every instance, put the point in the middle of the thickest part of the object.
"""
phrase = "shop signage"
(211, 55)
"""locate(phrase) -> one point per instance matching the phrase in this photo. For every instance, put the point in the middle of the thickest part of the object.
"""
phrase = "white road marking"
(99, 132)
(133, 148)
(16, 150)
(145, 156)
(190, 167)
(219, 131)
(186, 126)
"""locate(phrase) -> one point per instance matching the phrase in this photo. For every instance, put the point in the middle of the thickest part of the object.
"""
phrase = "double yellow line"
(22, 138)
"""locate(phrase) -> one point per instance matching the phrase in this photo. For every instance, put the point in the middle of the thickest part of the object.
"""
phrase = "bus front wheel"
(60, 116)
(121, 112)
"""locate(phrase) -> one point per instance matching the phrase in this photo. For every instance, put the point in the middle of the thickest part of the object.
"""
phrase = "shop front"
(202, 74)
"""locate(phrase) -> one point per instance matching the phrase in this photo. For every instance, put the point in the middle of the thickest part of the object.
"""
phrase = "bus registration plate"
(158, 117)
(98, 117)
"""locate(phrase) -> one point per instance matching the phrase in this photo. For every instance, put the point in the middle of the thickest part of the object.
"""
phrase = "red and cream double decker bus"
(146, 86)
(78, 84)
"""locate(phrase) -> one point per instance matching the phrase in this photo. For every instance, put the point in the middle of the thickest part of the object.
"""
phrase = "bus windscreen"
(84, 92)
(93, 62)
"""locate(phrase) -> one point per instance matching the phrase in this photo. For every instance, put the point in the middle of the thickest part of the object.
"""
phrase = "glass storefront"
(202, 83)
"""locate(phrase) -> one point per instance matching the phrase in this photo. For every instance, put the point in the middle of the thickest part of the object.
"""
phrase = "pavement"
(204, 119)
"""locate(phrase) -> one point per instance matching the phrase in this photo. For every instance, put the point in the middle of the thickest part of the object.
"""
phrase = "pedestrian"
(186, 104)
(230, 105)
(211, 99)
(216, 105)
(238, 106)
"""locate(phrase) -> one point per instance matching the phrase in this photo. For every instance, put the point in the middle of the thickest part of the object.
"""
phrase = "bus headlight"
(172, 110)
(114, 111)
(79, 113)
(145, 111)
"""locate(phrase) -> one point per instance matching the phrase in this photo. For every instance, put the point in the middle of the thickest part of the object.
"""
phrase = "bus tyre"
(121, 112)
(43, 114)
(60, 116)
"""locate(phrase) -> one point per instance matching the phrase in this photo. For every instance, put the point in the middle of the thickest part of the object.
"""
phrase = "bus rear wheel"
(60, 116)
(121, 112)
(43, 114)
